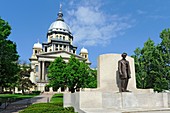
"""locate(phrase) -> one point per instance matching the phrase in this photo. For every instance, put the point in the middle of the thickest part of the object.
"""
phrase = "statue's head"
(124, 55)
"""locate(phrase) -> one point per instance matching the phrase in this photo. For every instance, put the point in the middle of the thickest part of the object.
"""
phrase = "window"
(35, 51)
(60, 47)
(63, 37)
(64, 47)
(74, 51)
(45, 49)
(36, 68)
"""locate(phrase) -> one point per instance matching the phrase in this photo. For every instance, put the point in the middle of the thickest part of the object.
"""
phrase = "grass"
(55, 106)
(57, 98)
(16, 96)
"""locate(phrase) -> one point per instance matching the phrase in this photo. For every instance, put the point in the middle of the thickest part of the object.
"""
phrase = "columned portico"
(42, 71)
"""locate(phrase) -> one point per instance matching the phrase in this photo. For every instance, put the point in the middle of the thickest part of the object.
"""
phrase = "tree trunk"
(1, 89)
(72, 90)
(13, 90)
(23, 90)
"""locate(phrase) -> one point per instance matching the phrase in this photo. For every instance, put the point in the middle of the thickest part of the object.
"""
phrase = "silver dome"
(59, 26)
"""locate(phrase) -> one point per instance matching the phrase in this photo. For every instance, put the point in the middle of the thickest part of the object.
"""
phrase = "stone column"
(16, 90)
(58, 47)
(39, 70)
(43, 65)
(54, 47)
(51, 89)
(45, 71)
(62, 47)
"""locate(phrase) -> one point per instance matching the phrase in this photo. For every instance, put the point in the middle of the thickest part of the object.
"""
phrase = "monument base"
(107, 98)
(86, 102)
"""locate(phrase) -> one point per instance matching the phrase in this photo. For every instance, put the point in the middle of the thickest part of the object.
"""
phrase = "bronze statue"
(124, 72)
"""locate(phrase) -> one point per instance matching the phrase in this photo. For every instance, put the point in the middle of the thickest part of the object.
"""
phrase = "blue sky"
(101, 26)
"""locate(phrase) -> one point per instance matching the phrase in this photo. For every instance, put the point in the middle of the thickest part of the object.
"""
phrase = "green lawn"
(19, 96)
(14, 97)
(57, 98)
(55, 106)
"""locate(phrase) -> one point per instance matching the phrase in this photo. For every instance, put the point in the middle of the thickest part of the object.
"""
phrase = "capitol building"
(59, 43)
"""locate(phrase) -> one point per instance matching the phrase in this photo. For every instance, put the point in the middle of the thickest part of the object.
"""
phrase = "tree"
(5, 29)
(152, 63)
(143, 63)
(8, 57)
(92, 79)
(56, 73)
(24, 83)
(74, 74)
(77, 74)
(165, 49)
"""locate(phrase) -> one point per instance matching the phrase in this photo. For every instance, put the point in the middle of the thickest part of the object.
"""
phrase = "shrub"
(47, 108)
(36, 92)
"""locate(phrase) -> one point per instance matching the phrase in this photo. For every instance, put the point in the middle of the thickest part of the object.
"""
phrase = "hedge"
(48, 108)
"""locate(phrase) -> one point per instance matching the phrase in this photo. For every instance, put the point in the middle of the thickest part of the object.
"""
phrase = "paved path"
(15, 107)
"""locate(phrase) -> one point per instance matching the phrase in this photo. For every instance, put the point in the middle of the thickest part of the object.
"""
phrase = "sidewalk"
(15, 107)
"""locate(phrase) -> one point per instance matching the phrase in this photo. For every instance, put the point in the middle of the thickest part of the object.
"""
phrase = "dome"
(37, 45)
(83, 50)
(59, 26)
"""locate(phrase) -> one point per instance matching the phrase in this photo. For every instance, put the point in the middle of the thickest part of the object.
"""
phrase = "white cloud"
(92, 26)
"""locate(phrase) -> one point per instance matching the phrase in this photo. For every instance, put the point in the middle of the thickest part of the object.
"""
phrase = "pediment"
(63, 54)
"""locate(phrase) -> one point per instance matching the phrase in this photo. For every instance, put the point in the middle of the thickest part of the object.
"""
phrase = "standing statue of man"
(124, 72)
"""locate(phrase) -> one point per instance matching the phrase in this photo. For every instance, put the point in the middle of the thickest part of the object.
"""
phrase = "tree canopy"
(74, 74)
(152, 63)
(56, 73)
(23, 81)
(8, 56)
(5, 29)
